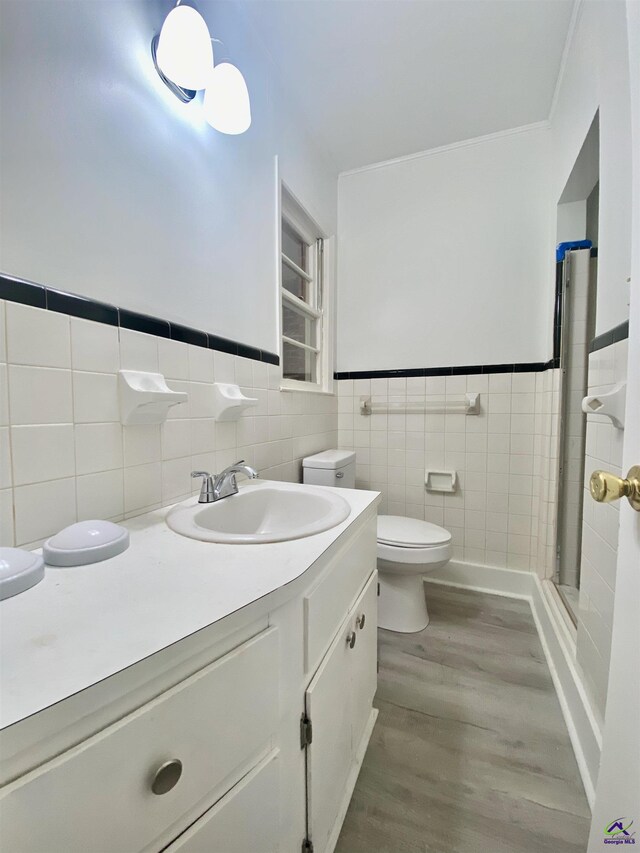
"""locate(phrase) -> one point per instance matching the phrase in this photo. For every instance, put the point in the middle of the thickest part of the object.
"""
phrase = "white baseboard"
(484, 579)
(583, 724)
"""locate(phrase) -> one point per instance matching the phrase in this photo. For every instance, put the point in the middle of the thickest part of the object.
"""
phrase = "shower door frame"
(561, 339)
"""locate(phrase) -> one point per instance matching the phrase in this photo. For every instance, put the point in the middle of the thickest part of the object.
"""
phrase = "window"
(301, 288)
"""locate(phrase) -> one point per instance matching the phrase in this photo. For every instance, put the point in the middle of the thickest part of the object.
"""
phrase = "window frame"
(319, 308)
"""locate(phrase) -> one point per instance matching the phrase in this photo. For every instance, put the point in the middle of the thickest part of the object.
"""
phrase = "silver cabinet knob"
(339, 475)
(166, 776)
(351, 639)
(360, 620)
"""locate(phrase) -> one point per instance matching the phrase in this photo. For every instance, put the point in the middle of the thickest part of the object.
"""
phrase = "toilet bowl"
(408, 548)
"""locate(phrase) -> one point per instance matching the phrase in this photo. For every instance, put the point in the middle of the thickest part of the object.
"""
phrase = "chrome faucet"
(218, 486)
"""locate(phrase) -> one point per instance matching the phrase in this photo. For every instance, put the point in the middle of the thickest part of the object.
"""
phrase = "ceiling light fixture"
(183, 57)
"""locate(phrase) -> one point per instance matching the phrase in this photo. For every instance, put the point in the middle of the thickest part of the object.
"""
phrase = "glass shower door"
(577, 326)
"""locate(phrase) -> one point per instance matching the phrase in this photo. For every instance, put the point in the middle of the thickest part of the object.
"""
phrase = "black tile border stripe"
(23, 292)
(606, 339)
(464, 370)
(143, 323)
(78, 306)
(39, 296)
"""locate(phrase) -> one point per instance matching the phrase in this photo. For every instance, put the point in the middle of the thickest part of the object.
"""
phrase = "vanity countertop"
(86, 623)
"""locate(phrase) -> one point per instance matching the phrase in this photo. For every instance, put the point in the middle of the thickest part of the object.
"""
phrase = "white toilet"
(408, 548)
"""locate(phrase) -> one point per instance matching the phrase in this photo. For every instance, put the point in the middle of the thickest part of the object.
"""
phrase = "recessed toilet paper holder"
(440, 481)
(611, 404)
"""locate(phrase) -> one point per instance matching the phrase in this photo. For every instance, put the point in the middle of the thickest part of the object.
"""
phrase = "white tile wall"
(545, 465)
(64, 454)
(494, 517)
(600, 530)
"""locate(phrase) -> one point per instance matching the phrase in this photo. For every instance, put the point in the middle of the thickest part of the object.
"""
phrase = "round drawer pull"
(360, 620)
(351, 639)
(339, 475)
(166, 776)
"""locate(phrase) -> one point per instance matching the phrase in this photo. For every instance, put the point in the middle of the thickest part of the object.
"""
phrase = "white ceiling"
(378, 79)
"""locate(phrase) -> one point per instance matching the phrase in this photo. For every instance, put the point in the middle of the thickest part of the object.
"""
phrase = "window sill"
(303, 388)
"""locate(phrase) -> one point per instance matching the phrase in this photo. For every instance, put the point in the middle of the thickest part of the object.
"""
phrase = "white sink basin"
(259, 513)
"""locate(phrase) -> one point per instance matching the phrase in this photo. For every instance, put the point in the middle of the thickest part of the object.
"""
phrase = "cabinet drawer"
(98, 796)
(327, 604)
(244, 821)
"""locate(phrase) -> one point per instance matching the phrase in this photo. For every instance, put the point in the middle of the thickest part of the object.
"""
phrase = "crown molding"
(573, 25)
(453, 146)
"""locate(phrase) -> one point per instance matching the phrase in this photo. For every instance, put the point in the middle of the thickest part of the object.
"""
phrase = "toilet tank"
(330, 468)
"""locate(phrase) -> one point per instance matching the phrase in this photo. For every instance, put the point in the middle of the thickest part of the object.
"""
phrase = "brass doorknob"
(606, 487)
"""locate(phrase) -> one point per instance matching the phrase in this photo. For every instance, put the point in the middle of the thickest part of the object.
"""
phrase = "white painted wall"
(572, 221)
(596, 75)
(114, 189)
(443, 258)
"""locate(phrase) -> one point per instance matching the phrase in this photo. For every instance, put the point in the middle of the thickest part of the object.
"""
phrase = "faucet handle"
(206, 492)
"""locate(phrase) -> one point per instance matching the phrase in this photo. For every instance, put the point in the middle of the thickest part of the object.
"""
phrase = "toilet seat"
(400, 532)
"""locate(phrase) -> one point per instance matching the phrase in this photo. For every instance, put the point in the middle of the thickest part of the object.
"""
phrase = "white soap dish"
(441, 481)
(145, 398)
(85, 542)
(611, 404)
(19, 571)
(229, 402)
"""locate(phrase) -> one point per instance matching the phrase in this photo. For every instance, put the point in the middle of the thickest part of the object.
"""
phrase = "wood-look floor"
(470, 753)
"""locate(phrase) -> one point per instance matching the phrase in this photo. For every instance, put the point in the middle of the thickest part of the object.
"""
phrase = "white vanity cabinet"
(198, 747)
(130, 784)
(338, 704)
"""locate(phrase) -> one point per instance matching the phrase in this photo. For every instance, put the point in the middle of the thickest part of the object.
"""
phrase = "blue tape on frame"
(563, 248)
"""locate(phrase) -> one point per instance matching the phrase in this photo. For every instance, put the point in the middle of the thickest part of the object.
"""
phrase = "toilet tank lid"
(329, 459)
(410, 532)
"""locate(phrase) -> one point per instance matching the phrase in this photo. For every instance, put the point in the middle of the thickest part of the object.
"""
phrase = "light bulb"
(226, 100)
(184, 52)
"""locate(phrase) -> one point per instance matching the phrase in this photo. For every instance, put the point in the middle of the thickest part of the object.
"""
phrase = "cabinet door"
(243, 821)
(364, 659)
(329, 755)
